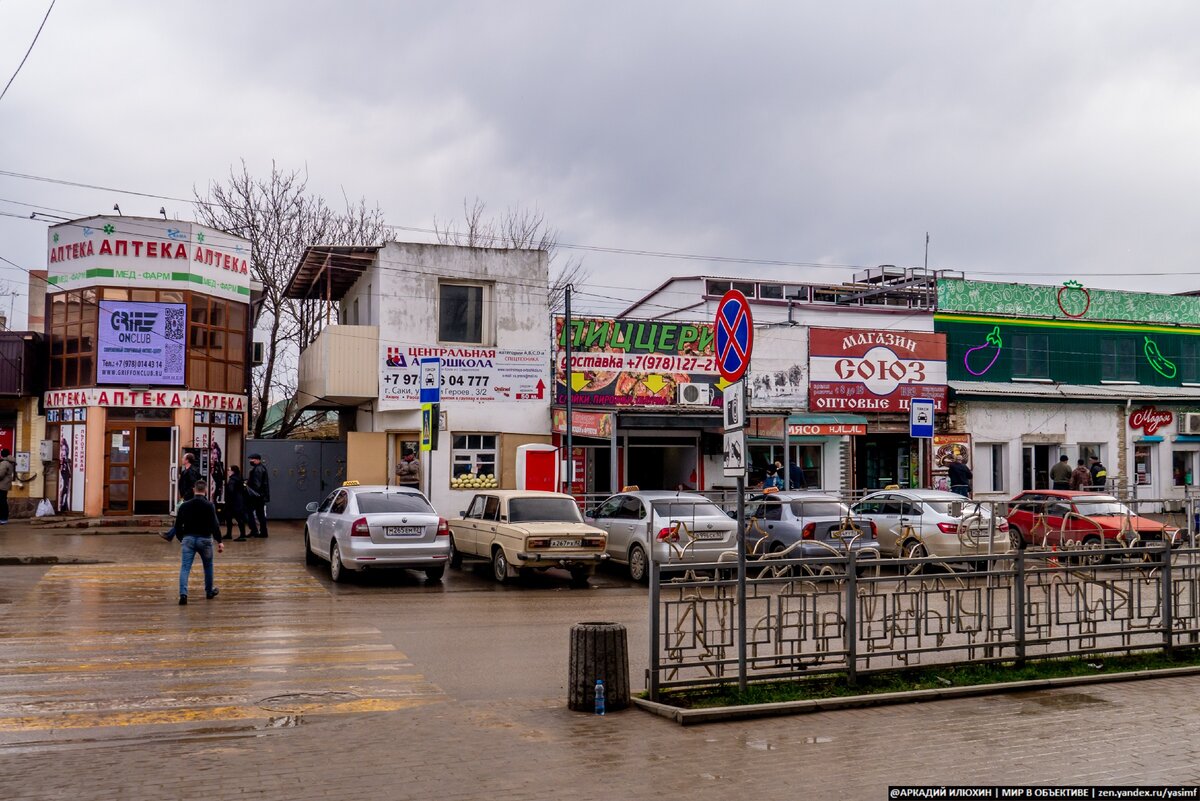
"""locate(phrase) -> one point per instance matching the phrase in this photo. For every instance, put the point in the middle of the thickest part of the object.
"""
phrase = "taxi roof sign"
(350, 483)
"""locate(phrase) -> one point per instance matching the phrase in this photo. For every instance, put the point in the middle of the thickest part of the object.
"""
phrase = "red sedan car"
(1055, 517)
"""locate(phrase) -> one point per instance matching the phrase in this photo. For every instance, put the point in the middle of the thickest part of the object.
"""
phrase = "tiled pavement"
(279, 689)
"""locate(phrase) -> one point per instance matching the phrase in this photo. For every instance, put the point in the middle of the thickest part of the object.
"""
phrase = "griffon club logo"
(134, 326)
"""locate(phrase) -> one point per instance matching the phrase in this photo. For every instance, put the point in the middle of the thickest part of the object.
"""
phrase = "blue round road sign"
(734, 335)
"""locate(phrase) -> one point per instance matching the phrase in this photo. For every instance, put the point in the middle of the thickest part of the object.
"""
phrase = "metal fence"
(841, 614)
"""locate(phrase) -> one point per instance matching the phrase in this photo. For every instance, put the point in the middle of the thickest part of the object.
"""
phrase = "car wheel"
(638, 567)
(433, 574)
(1093, 552)
(916, 550)
(1016, 537)
(455, 556)
(337, 571)
(580, 576)
(499, 565)
(310, 558)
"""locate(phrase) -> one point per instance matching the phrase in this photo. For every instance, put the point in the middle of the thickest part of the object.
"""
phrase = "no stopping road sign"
(734, 329)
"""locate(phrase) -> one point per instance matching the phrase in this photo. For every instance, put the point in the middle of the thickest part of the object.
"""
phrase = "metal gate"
(301, 471)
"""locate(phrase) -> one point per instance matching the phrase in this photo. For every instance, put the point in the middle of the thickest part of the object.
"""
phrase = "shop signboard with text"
(637, 363)
(141, 343)
(598, 425)
(146, 253)
(144, 399)
(484, 375)
(875, 370)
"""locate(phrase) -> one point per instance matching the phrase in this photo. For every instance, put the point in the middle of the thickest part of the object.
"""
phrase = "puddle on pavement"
(284, 722)
(817, 740)
(1064, 701)
(760, 745)
(287, 702)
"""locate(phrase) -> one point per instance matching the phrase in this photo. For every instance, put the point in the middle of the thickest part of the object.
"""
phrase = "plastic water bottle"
(599, 696)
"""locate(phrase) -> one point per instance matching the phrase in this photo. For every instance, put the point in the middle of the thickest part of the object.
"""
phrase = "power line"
(30, 50)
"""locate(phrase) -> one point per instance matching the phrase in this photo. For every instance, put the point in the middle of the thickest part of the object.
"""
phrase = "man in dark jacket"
(197, 526)
(960, 477)
(235, 503)
(1099, 474)
(8, 471)
(1060, 474)
(258, 495)
(188, 477)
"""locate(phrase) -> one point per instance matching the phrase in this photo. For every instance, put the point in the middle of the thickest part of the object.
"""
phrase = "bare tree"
(281, 218)
(524, 229)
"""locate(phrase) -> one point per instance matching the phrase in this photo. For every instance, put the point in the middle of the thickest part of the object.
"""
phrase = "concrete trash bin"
(598, 651)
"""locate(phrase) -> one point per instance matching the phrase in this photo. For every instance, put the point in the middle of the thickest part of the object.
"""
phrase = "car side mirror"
(732, 514)
(312, 507)
(462, 512)
(594, 512)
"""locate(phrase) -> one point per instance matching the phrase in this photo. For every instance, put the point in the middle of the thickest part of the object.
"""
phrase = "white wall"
(404, 291)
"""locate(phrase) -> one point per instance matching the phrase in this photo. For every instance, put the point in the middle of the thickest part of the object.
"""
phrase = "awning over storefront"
(826, 425)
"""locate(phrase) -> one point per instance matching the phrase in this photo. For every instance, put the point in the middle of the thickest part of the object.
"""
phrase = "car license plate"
(708, 535)
(403, 531)
(564, 543)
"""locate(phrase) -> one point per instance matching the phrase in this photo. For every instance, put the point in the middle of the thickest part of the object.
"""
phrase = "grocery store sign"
(875, 371)
(1150, 419)
(147, 253)
(826, 429)
(142, 399)
(482, 375)
(634, 362)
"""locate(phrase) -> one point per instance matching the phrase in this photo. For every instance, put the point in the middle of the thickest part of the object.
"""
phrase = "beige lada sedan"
(525, 530)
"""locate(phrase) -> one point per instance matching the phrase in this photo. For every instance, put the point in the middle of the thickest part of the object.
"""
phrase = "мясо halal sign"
(875, 371)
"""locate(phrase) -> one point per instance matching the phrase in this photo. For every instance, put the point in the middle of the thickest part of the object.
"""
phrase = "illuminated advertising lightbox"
(141, 343)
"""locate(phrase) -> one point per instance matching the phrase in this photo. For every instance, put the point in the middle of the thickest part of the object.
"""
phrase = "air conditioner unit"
(699, 395)
(1189, 423)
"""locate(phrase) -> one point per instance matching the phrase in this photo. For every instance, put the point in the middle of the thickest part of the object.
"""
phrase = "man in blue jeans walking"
(197, 526)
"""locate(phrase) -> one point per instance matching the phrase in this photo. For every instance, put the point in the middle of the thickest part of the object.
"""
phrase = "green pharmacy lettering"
(1161, 364)
(979, 359)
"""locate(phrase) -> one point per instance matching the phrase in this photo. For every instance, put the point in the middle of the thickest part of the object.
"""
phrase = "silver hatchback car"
(359, 527)
(678, 526)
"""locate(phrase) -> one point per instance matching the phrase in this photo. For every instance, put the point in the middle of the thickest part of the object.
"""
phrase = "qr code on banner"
(173, 324)
(173, 359)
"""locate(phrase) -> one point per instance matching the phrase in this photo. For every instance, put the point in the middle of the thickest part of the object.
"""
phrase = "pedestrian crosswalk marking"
(103, 645)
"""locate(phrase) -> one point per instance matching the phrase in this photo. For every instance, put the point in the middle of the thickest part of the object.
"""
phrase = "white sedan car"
(369, 527)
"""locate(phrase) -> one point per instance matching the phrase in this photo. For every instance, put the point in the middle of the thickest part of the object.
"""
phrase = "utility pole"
(568, 335)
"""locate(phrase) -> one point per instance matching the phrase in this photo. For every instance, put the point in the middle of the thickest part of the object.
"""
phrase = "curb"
(692, 717)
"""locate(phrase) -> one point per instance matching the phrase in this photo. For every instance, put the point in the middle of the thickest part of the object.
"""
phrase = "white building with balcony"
(481, 312)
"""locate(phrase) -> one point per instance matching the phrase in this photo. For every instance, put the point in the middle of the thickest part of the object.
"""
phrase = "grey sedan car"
(923, 522)
(678, 526)
(810, 525)
(360, 527)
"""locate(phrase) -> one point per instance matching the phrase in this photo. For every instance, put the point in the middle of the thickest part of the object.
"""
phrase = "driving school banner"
(482, 375)
(875, 370)
(636, 363)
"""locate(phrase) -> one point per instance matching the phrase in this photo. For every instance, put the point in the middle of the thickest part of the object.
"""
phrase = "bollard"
(599, 652)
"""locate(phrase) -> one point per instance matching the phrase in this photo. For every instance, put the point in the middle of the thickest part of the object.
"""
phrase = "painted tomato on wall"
(1073, 299)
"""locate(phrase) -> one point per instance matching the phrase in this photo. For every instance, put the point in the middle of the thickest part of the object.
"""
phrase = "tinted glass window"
(328, 502)
(377, 502)
(1100, 507)
(773, 510)
(609, 508)
(687, 509)
(818, 509)
(460, 318)
(539, 510)
(491, 508)
(339, 503)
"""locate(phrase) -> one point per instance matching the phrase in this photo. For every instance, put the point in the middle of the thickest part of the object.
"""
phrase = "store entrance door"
(118, 471)
(137, 469)
(1035, 472)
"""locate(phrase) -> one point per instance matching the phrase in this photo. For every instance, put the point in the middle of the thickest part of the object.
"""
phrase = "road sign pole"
(741, 589)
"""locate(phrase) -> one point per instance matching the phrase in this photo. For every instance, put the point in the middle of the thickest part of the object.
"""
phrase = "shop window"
(1118, 359)
(1189, 361)
(1030, 356)
(1183, 465)
(474, 453)
(1143, 464)
(809, 459)
(799, 293)
(770, 291)
(72, 334)
(1089, 449)
(217, 345)
(716, 288)
(462, 312)
(995, 472)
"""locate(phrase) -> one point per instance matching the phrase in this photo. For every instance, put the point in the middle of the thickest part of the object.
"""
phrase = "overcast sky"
(1037, 141)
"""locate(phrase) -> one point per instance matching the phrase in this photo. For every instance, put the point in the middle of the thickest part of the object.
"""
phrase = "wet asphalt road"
(288, 686)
